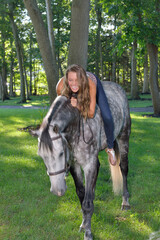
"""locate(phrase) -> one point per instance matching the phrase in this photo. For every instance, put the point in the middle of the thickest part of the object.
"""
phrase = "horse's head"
(53, 146)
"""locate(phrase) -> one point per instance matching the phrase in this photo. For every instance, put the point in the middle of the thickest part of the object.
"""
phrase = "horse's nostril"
(59, 193)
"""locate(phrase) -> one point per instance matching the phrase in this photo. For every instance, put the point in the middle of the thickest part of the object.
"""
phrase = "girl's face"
(73, 81)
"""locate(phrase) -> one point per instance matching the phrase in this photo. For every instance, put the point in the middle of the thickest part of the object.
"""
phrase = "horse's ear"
(56, 129)
(35, 133)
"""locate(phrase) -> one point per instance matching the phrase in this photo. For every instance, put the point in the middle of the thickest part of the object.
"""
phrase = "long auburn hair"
(83, 96)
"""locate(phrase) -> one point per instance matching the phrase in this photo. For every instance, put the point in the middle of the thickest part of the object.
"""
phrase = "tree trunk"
(97, 44)
(146, 79)
(114, 52)
(1, 97)
(99, 56)
(50, 30)
(4, 81)
(26, 84)
(78, 49)
(30, 65)
(35, 80)
(19, 56)
(134, 80)
(11, 94)
(153, 77)
(4, 71)
(11, 80)
(114, 68)
(45, 47)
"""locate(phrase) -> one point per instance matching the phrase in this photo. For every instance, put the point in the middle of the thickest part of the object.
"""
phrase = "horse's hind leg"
(123, 144)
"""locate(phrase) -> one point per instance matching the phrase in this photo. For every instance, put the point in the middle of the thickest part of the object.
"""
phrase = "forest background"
(116, 40)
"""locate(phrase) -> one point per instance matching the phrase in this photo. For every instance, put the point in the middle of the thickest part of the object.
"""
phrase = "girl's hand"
(74, 102)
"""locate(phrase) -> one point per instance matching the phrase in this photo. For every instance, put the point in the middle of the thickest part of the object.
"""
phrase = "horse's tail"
(116, 174)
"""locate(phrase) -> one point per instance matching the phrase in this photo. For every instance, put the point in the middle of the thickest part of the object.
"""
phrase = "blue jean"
(102, 102)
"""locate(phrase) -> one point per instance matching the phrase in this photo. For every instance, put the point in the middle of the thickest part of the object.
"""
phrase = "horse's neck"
(72, 129)
(66, 118)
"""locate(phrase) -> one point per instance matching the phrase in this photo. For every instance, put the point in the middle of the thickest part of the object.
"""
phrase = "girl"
(89, 91)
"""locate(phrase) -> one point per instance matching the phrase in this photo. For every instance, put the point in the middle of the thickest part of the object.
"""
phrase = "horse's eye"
(56, 129)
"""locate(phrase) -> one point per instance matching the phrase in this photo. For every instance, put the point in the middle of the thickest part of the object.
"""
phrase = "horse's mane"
(62, 105)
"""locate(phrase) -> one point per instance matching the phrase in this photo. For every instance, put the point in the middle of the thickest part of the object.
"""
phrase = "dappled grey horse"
(66, 140)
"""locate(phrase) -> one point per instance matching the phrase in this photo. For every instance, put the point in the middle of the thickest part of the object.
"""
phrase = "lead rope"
(89, 141)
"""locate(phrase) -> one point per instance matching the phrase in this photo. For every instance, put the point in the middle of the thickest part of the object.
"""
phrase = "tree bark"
(45, 47)
(4, 81)
(153, 77)
(50, 30)
(134, 80)
(4, 91)
(78, 49)
(146, 79)
(1, 97)
(114, 53)
(19, 51)
(30, 65)
(99, 55)
(11, 79)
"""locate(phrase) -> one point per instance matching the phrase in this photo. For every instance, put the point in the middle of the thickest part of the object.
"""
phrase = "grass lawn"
(144, 101)
(28, 211)
(36, 101)
(43, 101)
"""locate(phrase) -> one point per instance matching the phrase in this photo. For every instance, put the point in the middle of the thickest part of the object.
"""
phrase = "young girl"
(89, 91)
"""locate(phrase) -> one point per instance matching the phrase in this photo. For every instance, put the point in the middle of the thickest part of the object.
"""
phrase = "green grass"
(144, 101)
(28, 211)
(38, 101)
(43, 101)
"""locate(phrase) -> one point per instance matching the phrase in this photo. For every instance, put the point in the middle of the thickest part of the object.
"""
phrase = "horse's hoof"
(125, 207)
(88, 235)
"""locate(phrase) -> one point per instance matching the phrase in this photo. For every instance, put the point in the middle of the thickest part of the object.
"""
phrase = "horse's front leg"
(91, 173)
(76, 173)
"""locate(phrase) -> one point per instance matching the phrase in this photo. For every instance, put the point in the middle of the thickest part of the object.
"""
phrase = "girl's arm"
(92, 90)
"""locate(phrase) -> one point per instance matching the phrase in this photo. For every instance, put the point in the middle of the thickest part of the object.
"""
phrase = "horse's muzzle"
(59, 192)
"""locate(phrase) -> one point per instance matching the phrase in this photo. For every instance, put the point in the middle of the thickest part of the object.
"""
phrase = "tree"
(3, 62)
(134, 80)
(78, 49)
(50, 29)
(146, 79)
(152, 21)
(11, 93)
(19, 50)
(153, 77)
(4, 94)
(98, 50)
(45, 47)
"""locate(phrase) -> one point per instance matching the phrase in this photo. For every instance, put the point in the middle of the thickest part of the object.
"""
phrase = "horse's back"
(118, 103)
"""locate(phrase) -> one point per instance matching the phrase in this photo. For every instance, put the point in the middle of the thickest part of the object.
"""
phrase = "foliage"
(121, 23)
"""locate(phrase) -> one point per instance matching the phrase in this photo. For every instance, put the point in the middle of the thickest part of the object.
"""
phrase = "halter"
(66, 168)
